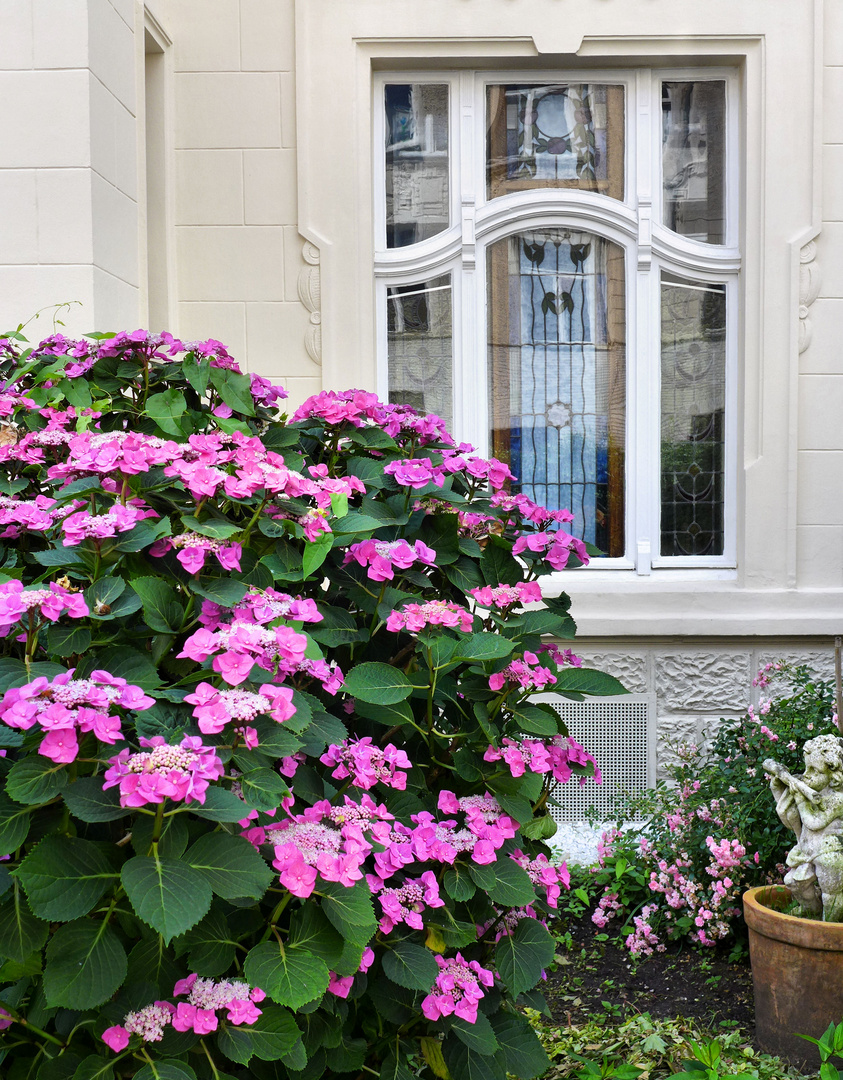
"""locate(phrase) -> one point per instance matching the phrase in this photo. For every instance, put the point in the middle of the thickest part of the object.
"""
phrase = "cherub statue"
(812, 806)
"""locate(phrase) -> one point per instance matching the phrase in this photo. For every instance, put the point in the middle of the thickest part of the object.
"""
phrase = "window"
(557, 268)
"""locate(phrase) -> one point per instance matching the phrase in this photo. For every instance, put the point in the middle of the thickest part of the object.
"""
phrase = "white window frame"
(634, 224)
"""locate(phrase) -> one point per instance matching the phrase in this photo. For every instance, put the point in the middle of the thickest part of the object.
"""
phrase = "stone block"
(819, 472)
(44, 119)
(16, 35)
(206, 35)
(111, 51)
(713, 682)
(64, 216)
(823, 354)
(299, 390)
(830, 259)
(630, 669)
(227, 110)
(18, 216)
(269, 180)
(209, 187)
(275, 336)
(819, 556)
(27, 289)
(288, 109)
(833, 104)
(114, 146)
(115, 230)
(833, 183)
(225, 322)
(267, 35)
(115, 301)
(820, 409)
(60, 33)
(225, 264)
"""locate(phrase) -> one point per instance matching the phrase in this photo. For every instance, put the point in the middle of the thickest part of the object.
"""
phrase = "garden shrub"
(274, 794)
(691, 846)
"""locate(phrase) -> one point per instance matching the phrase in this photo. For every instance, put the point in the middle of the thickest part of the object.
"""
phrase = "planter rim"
(791, 929)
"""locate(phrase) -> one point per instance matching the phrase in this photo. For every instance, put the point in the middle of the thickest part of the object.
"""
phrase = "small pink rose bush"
(273, 788)
(712, 832)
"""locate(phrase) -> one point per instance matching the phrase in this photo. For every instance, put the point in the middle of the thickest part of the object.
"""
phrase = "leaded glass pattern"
(417, 187)
(693, 404)
(693, 159)
(555, 136)
(420, 346)
(557, 374)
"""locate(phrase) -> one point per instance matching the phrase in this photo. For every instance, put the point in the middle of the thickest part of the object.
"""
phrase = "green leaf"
(126, 663)
(315, 553)
(484, 647)
(166, 1070)
(14, 824)
(478, 1036)
(458, 883)
(21, 933)
(411, 966)
(263, 789)
(35, 779)
(380, 684)
(64, 877)
(211, 945)
(232, 866)
(512, 886)
(164, 408)
(60, 1068)
(95, 1068)
(395, 1067)
(87, 801)
(537, 719)
(291, 976)
(310, 929)
(85, 964)
(522, 956)
(467, 1064)
(223, 591)
(350, 910)
(234, 389)
(162, 611)
(498, 564)
(216, 528)
(520, 1052)
(103, 593)
(166, 895)
(588, 681)
(197, 373)
(173, 838)
(220, 805)
(68, 640)
(271, 1036)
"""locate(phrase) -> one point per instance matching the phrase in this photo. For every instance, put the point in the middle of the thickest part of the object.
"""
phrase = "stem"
(159, 823)
(210, 1059)
(276, 915)
(37, 1030)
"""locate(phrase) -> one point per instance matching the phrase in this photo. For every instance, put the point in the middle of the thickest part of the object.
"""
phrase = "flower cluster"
(554, 756)
(82, 525)
(382, 557)
(239, 646)
(48, 603)
(193, 548)
(415, 617)
(181, 773)
(542, 872)
(457, 989)
(214, 709)
(506, 596)
(65, 706)
(406, 903)
(527, 673)
(365, 764)
(340, 985)
(205, 998)
(555, 547)
(260, 606)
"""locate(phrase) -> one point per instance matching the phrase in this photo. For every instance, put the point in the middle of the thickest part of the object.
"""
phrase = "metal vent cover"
(620, 734)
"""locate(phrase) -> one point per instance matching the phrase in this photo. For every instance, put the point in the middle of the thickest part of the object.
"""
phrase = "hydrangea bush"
(696, 843)
(274, 793)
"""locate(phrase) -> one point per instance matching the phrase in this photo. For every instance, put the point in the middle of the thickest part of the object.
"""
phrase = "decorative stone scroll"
(310, 294)
(810, 281)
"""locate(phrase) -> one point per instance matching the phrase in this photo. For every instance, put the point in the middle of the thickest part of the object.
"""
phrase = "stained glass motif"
(557, 136)
(417, 192)
(557, 374)
(693, 401)
(420, 346)
(693, 158)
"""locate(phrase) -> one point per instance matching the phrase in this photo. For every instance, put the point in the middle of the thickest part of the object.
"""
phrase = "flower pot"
(797, 975)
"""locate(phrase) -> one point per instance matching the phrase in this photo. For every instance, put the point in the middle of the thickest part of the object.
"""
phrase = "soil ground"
(594, 977)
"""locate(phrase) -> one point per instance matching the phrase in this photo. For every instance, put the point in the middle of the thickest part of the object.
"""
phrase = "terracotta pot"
(797, 974)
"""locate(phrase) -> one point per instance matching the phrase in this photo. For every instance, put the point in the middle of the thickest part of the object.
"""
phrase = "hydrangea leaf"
(63, 877)
(291, 976)
(467, 1063)
(411, 966)
(35, 780)
(14, 824)
(21, 932)
(87, 801)
(166, 894)
(231, 865)
(520, 1051)
(85, 964)
(522, 956)
(350, 910)
(379, 684)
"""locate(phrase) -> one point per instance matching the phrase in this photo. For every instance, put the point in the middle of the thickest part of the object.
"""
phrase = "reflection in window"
(420, 347)
(416, 162)
(693, 401)
(556, 136)
(557, 375)
(693, 152)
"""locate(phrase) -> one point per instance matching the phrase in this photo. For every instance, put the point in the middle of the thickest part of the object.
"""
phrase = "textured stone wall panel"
(705, 681)
(630, 669)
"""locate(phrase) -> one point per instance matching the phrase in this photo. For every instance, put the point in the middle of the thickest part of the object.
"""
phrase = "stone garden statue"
(812, 806)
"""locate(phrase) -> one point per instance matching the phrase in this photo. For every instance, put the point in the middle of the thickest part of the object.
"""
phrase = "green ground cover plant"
(273, 790)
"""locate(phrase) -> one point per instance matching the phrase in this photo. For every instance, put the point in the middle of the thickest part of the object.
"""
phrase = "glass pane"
(420, 347)
(693, 401)
(693, 157)
(557, 374)
(560, 136)
(416, 162)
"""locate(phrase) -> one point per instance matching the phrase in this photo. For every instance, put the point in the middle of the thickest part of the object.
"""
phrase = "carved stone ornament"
(310, 293)
(810, 281)
(812, 806)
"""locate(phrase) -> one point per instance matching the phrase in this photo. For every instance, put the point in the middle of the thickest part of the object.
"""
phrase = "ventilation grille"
(617, 733)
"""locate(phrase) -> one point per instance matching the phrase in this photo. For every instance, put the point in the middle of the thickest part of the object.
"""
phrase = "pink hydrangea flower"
(181, 773)
(457, 989)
